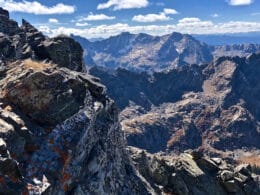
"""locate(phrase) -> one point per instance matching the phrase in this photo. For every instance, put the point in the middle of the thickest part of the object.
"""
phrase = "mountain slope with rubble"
(215, 106)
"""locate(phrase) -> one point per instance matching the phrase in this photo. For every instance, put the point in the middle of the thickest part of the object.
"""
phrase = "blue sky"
(103, 18)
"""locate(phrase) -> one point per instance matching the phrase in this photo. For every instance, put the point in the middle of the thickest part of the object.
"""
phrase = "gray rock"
(226, 175)
(27, 42)
(231, 186)
(244, 169)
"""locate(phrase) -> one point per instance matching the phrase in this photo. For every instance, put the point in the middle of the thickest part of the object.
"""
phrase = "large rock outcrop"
(8, 26)
(193, 173)
(59, 131)
(17, 43)
(60, 134)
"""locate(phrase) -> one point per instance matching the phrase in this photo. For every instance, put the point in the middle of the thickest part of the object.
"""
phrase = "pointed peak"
(4, 13)
(175, 36)
(25, 23)
(27, 26)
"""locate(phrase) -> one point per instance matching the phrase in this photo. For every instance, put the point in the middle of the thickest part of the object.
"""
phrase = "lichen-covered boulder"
(62, 133)
(48, 98)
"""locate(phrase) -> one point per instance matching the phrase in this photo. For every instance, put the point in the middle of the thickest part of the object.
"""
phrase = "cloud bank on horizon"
(104, 18)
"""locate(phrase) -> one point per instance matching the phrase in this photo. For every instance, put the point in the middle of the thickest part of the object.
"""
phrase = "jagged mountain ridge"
(229, 38)
(145, 89)
(214, 107)
(145, 52)
(241, 50)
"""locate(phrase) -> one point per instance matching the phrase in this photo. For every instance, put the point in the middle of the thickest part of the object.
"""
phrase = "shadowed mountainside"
(214, 107)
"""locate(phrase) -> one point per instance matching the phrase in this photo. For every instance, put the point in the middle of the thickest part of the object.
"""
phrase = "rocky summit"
(143, 52)
(60, 131)
(18, 43)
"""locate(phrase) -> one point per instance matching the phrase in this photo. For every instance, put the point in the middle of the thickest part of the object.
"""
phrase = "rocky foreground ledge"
(193, 173)
(60, 134)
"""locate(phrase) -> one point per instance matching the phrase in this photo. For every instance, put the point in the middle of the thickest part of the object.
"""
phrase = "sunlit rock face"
(214, 106)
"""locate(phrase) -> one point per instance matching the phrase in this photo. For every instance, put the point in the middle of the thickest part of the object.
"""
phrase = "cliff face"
(7, 26)
(146, 90)
(59, 130)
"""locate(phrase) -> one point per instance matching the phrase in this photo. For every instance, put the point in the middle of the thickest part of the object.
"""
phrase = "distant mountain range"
(230, 39)
(143, 52)
(241, 50)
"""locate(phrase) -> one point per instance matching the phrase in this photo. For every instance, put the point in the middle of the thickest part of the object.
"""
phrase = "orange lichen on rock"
(66, 187)
(63, 154)
(25, 192)
(51, 141)
(14, 179)
(31, 148)
(2, 179)
(65, 177)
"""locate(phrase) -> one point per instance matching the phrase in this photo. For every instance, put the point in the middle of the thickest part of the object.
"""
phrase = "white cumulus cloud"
(190, 24)
(240, 2)
(151, 18)
(35, 7)
(96, 17)
(185, 25)
(81, 24)
(189, 20)
(215, 15)
(53, 20)
(123, 4)
(169, 11)
(163, 16)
